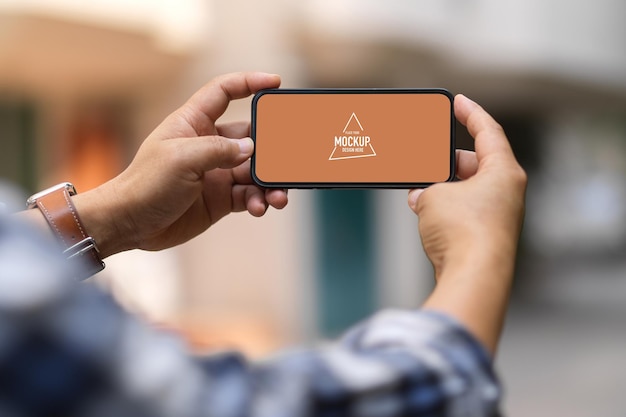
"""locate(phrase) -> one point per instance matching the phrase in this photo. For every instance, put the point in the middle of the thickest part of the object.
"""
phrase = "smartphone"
(352, 138)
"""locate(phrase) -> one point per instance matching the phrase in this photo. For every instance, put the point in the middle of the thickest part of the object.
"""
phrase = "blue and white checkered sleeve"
(70, 350)
(398, 363)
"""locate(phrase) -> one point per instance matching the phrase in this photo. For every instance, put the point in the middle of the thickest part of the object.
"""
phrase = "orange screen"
(332, 138)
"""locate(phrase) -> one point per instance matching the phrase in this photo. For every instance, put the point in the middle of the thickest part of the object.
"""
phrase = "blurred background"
(81, 85)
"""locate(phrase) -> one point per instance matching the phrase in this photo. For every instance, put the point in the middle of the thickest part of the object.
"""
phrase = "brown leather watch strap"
(56, 205)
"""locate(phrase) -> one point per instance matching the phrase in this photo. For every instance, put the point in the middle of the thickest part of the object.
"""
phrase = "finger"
(466, 167)
(249, 197)
(212, 99)
(466, 164)
(236, 130)
(205, 153)
(488, 135)
(241, 174)
(414, 196)
(276, 198)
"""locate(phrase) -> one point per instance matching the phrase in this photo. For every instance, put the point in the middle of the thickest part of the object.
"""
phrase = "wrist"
(57, 209)
(102, 213)
(480, 259)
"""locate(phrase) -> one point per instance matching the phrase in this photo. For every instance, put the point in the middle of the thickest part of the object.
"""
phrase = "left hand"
(189, 173)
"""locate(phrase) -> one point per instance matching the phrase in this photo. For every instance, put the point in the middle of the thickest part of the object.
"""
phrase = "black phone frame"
(352, 185)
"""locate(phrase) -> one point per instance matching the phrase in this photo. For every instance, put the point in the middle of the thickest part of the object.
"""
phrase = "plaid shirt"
(70, 350)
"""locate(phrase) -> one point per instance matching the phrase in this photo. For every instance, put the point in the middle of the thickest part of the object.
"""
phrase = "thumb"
(414, 196)
(206, 153)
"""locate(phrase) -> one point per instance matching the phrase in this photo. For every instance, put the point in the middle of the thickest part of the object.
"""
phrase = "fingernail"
(468, 99)
(414, 196)
(246, 146)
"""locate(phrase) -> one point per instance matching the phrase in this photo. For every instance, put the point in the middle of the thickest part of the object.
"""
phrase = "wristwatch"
(78, 247)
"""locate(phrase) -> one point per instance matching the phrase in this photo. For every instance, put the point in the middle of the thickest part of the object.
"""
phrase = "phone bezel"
(352, 185)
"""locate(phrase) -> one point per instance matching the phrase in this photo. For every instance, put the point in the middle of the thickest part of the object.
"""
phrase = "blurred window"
(17, 131)
(346, 261)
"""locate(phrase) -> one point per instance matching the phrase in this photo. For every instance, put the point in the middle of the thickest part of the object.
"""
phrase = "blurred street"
(563, 351)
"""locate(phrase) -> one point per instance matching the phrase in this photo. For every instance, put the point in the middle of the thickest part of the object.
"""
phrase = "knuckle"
(185, 114)
(519, 177)
(196, 120)
(497, 128)
(217, 145)
(223, 149)
(174, 153)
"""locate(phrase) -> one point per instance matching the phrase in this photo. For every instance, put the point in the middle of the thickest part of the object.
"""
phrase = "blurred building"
(82, 85)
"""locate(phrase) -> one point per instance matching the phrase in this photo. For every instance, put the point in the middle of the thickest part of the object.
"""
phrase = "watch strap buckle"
(81, 248)
(86, 247)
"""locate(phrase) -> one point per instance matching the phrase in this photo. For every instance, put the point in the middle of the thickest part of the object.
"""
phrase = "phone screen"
(361, 138)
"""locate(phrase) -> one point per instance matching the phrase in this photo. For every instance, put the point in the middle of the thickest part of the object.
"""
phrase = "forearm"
(475, 288)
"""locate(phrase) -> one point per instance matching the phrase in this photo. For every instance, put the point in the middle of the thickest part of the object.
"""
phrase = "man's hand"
(470, 229)
(189, 173)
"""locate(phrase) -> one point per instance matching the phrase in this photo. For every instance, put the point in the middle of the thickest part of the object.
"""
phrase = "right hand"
(470, 228)
(484, 211)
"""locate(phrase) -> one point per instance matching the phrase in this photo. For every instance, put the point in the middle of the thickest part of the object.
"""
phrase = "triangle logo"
(353, 142)
(353, 124)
